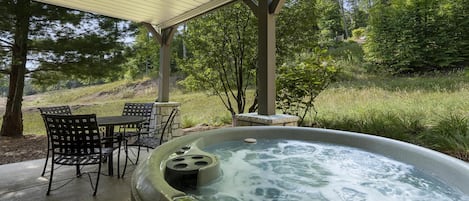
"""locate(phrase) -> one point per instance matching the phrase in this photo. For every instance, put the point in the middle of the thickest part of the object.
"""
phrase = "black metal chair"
(132, 131)
(62, 110)
(149, 141)
(75, 141)
(137, 109)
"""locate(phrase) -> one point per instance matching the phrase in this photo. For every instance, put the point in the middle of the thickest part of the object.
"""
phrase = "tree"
(145, 55)
(344, 17)
(418, 35)
(296, 29)
(329, 23)
(223, 47)
(50, 43)
(359, 18)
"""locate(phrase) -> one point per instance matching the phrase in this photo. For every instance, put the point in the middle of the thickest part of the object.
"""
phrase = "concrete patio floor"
(23, 181)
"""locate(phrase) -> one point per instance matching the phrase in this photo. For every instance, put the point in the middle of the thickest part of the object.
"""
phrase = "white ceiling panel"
(161, 13)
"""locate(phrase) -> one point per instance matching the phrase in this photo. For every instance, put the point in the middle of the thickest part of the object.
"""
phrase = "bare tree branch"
(6, 42)
(5, 71)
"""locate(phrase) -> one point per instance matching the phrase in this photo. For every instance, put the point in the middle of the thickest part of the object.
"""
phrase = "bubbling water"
(288, 170)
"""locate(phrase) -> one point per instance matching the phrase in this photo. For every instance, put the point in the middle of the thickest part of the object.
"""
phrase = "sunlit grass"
(429, 105)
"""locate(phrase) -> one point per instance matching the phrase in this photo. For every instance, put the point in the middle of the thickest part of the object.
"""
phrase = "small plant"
(222, 120)
(188, 122)
(358, 33)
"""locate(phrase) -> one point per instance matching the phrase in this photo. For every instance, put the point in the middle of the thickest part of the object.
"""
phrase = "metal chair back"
(62, 110)
(75, 141)
(73, 137)
(139, 109)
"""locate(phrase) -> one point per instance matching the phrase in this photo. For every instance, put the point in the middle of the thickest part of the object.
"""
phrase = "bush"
(188, 122)
(300, 82)
(349, 51)
(358, 33)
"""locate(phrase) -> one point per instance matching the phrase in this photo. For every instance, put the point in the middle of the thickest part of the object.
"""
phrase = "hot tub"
(184, 164)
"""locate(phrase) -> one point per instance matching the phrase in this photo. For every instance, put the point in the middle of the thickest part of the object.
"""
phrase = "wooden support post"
(164, 39)
(265, 11)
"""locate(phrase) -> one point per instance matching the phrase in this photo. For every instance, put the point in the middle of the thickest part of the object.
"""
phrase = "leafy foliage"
(418, 35)
(64, 44)
(330, 23)
(300, 82)
(296, 29)
(223, 55)
(358, 33)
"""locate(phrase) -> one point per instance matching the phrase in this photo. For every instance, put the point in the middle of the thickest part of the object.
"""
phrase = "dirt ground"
(29, 147)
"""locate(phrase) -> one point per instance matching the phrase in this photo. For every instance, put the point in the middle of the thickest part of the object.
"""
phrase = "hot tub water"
(289, 170)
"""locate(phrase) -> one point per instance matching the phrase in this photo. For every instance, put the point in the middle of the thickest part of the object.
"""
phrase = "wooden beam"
(156, 35)
(266, 54)
(275, 6)
(167, 35)
(165, 68)
(253, 6)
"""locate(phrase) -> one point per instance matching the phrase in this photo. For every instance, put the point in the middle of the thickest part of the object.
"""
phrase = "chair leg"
(50, 178)
(78, 171)
(126, 157)
(47, 159)
(97, 180)
(138, 155)
(118, 159)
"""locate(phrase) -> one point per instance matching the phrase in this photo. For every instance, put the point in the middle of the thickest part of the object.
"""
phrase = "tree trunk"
(344, 19)
(13, 119)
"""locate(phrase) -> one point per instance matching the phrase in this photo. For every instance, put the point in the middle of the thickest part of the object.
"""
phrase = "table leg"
(110, 132)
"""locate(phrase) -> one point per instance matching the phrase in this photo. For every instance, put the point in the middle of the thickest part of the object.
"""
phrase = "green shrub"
(188, 122)
(300, 82)
(349, 51)
(450, 135)
(222, 120)
(358, 33)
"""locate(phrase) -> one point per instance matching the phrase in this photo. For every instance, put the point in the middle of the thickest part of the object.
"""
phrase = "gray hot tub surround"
(183, 159)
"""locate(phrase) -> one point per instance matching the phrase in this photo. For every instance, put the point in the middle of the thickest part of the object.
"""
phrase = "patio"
(22, 181)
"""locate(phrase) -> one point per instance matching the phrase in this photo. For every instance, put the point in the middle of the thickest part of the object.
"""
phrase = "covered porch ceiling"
(159, 13)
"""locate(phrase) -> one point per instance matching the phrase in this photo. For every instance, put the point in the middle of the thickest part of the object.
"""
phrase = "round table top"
(119, 120)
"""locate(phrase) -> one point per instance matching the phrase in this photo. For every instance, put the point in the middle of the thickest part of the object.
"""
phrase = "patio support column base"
(161, 112)
(255, 119)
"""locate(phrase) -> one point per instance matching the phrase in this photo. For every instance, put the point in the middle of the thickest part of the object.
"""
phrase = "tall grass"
(450, 134)
(428, 110)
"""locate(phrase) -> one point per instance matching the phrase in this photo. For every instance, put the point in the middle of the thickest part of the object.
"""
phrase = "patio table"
(109, 122)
